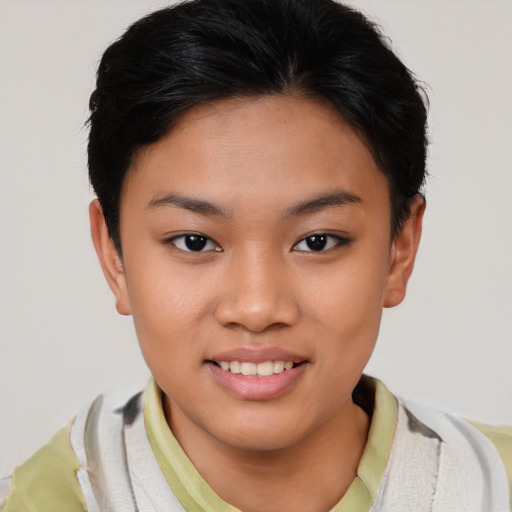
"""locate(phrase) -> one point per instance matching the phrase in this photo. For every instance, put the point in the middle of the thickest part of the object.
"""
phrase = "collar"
(195, 494)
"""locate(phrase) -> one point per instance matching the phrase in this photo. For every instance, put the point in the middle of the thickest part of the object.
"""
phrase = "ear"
(403, 254)
(110, 261)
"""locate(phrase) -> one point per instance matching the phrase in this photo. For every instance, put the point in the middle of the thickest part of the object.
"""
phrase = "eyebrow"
(326, 200)
(202, 207)
(189, 203)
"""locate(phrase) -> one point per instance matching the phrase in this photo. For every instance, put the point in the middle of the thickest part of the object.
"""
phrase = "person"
(259, 166)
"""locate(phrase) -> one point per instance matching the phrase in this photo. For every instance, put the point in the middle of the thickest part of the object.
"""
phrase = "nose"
(257, 294)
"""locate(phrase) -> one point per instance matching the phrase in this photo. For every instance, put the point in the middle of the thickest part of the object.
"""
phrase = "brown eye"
(193, 242)
(319, 242)
(316, 242)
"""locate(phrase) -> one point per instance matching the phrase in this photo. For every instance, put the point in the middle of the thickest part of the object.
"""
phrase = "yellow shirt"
(47, 481)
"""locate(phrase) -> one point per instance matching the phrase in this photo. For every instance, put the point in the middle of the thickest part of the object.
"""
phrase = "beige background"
(61, 342)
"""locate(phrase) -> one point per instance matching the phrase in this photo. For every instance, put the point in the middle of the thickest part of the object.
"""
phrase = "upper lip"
(258, 355)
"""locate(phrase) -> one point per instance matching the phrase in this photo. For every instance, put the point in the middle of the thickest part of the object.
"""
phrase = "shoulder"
(58, 476)
(501, 438)
(469, 462)
(47, 480)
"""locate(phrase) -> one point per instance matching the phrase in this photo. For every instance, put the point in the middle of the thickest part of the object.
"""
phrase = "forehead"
(274, 147)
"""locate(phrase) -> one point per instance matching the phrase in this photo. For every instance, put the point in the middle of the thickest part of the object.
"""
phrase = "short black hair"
(205, 50)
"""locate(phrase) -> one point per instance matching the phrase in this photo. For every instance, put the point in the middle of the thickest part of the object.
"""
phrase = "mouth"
(258, 373)
(263, 369)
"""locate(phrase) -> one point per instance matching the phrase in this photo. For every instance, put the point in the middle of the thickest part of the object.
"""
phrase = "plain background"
(61, 341)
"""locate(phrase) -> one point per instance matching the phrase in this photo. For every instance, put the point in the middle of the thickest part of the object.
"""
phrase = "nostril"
(257, 315)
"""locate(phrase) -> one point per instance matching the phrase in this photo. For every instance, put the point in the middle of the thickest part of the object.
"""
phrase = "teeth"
(278, 366)
(248, 368)
(265, 369)
(234, 366)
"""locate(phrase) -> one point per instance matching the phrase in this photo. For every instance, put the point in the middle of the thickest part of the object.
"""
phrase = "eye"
(193, 242)
(320, 242)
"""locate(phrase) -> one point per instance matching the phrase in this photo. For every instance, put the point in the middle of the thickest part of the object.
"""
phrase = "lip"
(258, 355)
(254, 387)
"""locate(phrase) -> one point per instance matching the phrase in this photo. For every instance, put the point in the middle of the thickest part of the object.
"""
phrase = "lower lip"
(257, 388)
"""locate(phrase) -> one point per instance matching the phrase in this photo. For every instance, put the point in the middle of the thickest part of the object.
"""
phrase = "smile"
(262, 379)
(264, 369)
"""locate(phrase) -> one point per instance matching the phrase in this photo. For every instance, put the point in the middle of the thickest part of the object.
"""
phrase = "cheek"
(167, 308)
(161, 288)
(348, 302)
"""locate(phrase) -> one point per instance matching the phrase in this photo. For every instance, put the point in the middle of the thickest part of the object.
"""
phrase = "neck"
(311, 475)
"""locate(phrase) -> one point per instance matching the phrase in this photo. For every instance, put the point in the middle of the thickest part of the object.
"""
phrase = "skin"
(257, 288)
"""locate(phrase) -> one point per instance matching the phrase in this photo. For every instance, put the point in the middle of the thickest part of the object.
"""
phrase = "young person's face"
(257, 231)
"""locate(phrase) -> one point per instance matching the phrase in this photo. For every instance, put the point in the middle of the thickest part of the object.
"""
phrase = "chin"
(261, 436)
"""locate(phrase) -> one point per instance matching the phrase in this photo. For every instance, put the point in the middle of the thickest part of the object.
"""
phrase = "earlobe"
(110, 260)
(404, 249)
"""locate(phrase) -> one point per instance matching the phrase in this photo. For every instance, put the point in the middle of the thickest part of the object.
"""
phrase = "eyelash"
(323, 240)
(337, 242)
(181, 240)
